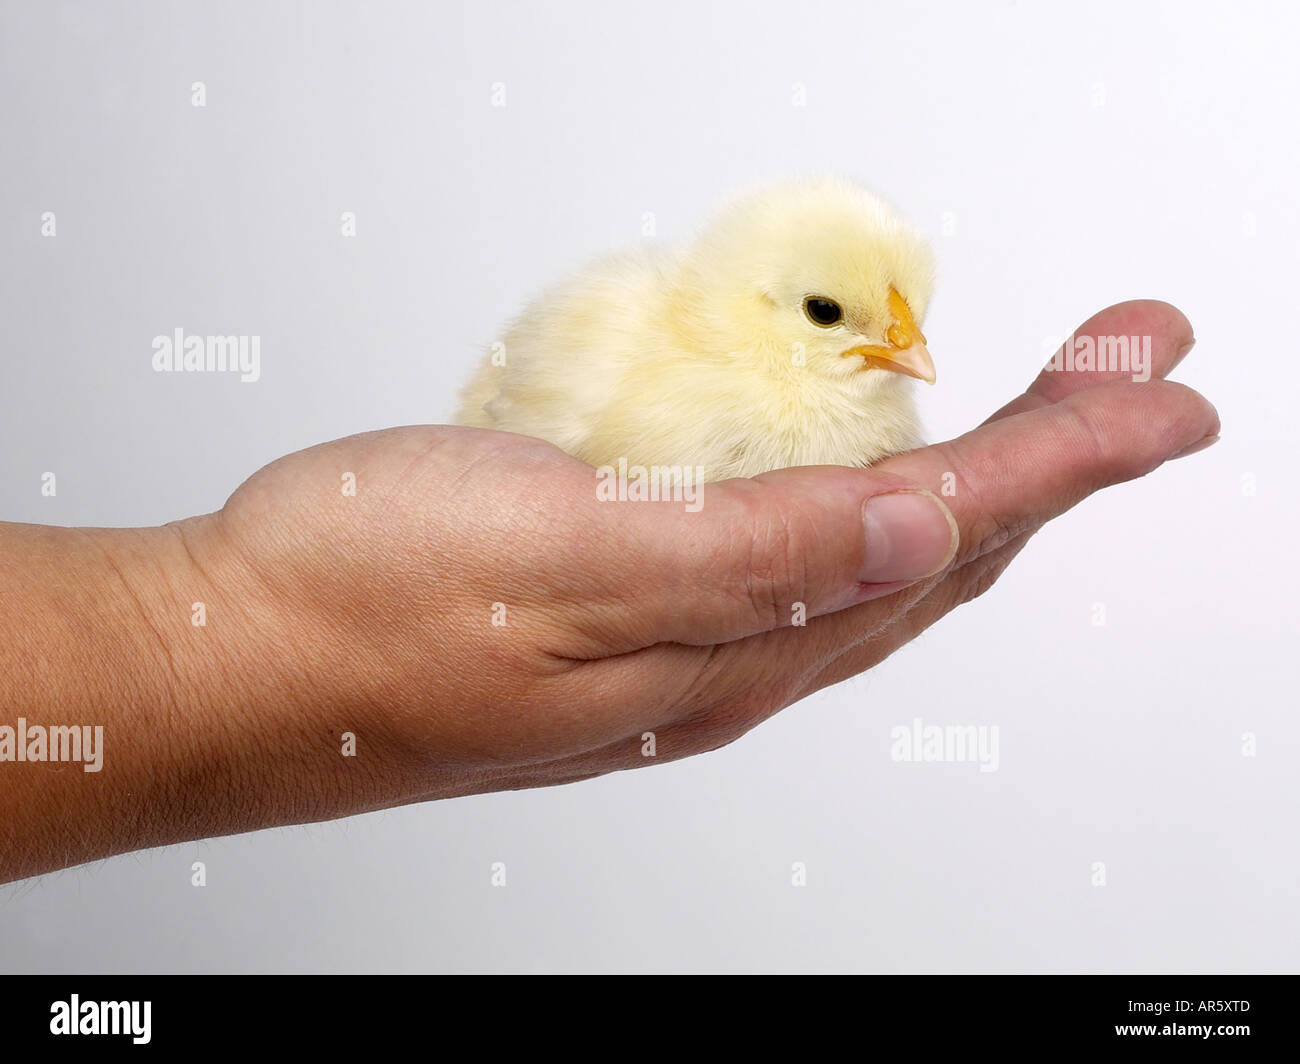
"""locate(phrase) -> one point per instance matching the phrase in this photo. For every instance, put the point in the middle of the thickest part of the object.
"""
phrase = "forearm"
(189, 730)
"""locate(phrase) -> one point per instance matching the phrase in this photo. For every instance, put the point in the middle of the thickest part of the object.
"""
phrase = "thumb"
(762, 552)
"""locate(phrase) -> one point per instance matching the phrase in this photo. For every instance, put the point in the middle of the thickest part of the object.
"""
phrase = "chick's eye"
(822, 311)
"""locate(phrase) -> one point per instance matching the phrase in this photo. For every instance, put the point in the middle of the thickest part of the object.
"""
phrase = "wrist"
(257, 740)
(83, 661)
(154, 647)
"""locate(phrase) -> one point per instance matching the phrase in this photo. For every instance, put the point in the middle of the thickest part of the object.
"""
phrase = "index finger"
(1142, 339)
(1008, 478)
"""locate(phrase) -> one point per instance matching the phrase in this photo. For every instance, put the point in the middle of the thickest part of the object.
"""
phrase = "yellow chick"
(788, 333)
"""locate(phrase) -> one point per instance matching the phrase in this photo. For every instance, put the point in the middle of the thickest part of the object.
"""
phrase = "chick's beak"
(905, 351)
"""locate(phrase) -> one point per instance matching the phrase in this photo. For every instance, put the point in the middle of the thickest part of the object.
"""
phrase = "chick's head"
(818, 274)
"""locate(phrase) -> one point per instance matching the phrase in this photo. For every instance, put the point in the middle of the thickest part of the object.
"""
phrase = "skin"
(373, 614)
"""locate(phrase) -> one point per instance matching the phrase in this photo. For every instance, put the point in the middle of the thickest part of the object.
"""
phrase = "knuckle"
(725, 703)
(984, 528)
(1090, 438)
(775, 570)
(725, 722)
(980, 582)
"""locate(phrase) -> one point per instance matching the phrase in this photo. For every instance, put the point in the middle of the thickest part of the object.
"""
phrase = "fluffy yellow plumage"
(784, 335)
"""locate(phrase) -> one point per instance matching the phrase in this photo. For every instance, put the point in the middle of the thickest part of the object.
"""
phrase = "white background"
(1083, 153)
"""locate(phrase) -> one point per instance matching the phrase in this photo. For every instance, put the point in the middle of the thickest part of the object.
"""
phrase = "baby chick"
(786, 334)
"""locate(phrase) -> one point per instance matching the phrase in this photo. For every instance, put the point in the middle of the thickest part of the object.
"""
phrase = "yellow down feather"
(706, 355)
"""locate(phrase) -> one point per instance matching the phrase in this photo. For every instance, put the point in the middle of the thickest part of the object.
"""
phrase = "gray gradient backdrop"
(1060, 161)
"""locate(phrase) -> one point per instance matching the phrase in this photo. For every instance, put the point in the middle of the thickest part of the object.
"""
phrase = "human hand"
(627, 618)
(372, 614)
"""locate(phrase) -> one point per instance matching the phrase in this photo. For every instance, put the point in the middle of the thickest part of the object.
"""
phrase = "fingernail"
(1182, 351)
(1199, 445)
(910, 535)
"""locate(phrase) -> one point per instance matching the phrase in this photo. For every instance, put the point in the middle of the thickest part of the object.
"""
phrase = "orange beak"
(906, 351)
